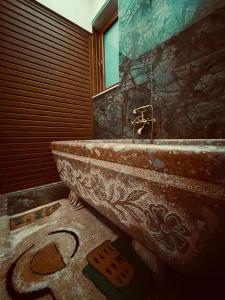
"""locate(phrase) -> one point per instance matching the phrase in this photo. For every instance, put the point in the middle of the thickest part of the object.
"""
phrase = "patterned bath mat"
(117, 271)
(36, 215)
(45, 260)
(111, 264)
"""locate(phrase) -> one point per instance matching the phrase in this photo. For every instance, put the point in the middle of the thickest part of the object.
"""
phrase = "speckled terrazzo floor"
(65, 236)
(58, 229)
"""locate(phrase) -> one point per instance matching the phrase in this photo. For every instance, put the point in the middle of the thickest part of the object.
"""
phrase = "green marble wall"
(144, 24)
(172, 55)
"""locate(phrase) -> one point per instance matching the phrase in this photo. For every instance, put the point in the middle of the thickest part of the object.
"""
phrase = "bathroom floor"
(44, 255)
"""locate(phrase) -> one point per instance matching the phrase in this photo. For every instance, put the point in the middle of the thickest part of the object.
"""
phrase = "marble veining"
(179, 71)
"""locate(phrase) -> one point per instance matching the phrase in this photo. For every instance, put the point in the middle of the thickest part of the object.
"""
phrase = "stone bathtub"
(169, 195)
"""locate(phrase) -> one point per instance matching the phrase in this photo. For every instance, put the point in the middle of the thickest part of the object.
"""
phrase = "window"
(105, 54)
(111, 54)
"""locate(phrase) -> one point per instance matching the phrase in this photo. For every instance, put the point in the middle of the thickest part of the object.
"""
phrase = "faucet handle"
(142, 109)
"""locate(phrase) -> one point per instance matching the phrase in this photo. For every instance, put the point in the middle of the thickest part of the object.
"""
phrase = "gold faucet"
(142, 120)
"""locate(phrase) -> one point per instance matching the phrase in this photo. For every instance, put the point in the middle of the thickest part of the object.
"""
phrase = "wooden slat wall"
(45, 90)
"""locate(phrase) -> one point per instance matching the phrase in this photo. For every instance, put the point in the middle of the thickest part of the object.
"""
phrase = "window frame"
(113, 19)
(98, 57)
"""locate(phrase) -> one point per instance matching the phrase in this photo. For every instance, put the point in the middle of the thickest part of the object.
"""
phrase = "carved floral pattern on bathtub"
(165, 226)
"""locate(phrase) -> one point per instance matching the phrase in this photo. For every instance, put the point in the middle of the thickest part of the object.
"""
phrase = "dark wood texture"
(97, 62)
(45, 90)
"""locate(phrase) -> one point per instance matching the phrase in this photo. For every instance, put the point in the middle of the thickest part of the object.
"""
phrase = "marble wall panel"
(181, 74)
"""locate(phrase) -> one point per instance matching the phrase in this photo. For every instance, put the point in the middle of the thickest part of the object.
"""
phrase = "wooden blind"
(45, 90)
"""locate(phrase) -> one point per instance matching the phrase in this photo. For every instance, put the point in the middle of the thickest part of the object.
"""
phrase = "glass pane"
(111, 46)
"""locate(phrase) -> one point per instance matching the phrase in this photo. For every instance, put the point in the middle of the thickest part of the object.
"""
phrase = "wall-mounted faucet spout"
(140, 130)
